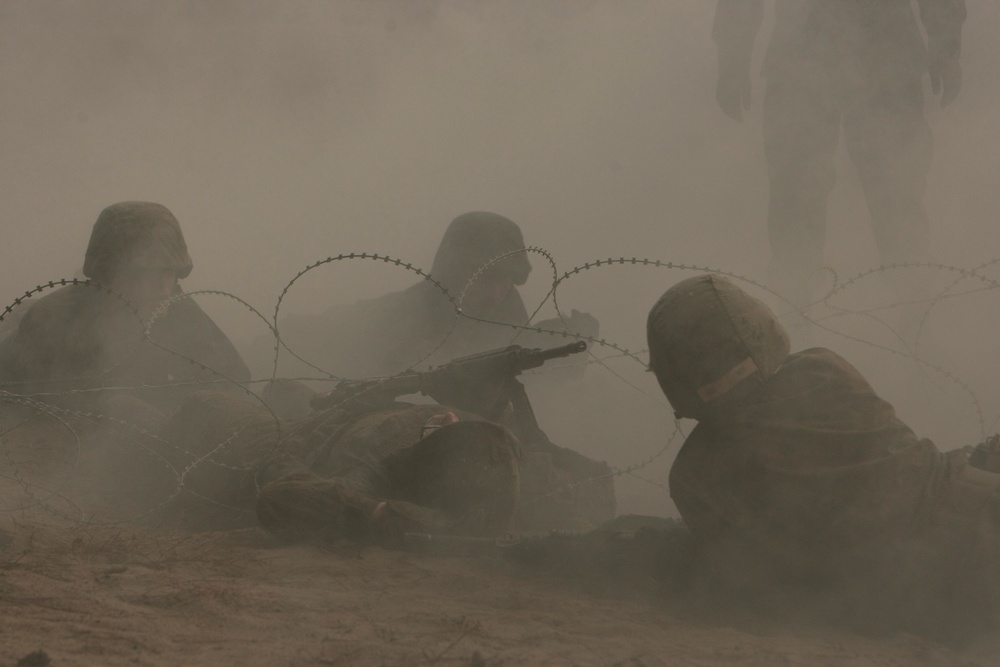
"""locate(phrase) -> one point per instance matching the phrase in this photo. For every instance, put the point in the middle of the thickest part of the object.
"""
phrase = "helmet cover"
(135, 235)
(471, 241)
(705, 336)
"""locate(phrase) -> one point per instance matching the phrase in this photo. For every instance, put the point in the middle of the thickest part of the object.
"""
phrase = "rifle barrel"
(535, 358)
(514, 358)
(563, 350)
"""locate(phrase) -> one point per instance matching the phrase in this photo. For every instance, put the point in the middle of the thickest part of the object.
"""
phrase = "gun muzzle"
(564, 350)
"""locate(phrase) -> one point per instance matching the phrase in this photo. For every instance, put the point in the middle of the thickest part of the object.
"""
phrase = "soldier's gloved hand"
(732, 91)
(946, 76)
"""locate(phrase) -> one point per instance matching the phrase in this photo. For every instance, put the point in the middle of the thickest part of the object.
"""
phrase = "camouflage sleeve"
(943, 21)
(52, 344)
(220, 353)
(188, 330)
(736, 25)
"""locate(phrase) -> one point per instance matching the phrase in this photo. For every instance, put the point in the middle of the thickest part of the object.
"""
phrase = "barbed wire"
(125, 432)
(29, 487)
(375, 257)
(44, 403)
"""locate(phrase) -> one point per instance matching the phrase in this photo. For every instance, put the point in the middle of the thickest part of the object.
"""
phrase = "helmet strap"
(733, 377)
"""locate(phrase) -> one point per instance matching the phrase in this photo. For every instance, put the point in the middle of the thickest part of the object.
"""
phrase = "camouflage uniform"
(833, 64)
(336, 474)
(419, 325)
(560, 487)
(85, 337)
(799, 478)
(391, 333)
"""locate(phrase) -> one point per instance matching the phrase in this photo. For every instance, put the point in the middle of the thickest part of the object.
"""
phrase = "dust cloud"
(283, 133)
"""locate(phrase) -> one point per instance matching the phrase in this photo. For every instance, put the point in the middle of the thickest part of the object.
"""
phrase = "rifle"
(485, 384)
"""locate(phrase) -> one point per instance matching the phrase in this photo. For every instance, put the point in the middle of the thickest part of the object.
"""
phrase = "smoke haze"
(282, 133)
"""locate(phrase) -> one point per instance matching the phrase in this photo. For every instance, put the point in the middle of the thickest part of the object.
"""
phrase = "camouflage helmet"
(705, 336)
(471, 241)
(134, 235)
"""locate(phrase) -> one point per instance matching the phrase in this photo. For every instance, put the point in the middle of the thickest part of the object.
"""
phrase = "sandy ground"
(77, 592)
(89, 595)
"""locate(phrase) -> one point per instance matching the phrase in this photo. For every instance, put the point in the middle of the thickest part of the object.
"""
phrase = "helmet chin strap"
(733, 377)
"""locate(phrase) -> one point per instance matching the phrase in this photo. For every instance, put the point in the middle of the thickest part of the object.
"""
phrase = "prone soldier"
(802, 486)
(364, 464)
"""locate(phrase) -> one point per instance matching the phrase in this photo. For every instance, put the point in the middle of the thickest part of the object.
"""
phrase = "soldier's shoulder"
(63, 304)
(817, 359)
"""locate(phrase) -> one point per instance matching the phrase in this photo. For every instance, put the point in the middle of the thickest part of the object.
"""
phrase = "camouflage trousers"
(337, 474)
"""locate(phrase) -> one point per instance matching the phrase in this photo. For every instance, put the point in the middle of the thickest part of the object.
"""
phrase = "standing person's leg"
(889, 142)
(801, 131)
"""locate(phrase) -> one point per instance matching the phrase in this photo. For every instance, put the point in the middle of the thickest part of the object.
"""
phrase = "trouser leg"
(216, 443)
(889, 141)
(801, 131)
(300, 504)
(563, 490)
(460, 479)
(468, 471)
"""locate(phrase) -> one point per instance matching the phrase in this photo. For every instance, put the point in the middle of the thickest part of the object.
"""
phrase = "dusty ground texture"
(106, 595)
(77, 592)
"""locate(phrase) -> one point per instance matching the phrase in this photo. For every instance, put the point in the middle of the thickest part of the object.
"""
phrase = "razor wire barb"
(135, 435)
(139, 436)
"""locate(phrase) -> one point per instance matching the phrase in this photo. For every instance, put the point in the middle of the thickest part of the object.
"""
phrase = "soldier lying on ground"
(389, 334)
(338, 474)
(803, 487)
(361, 448)
(92, 336)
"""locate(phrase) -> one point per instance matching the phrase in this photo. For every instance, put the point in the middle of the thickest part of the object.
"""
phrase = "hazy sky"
(283, 132)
